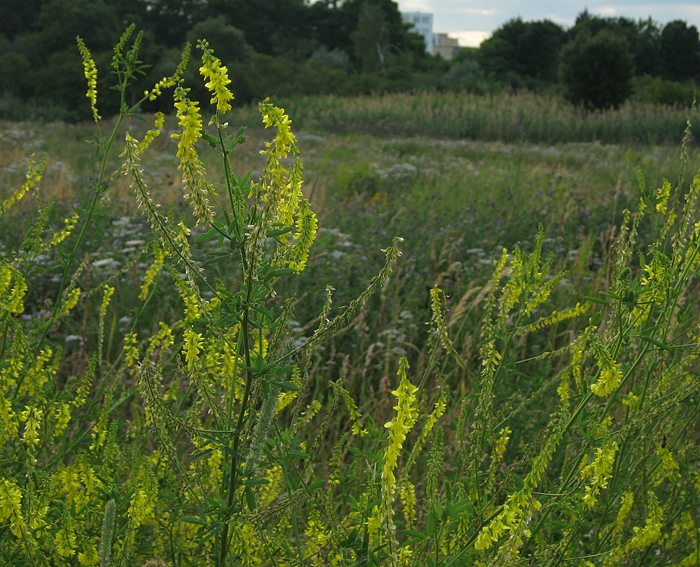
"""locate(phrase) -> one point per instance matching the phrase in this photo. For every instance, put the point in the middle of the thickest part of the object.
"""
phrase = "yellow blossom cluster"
(90, 72)
(598, 472)
(217, 79)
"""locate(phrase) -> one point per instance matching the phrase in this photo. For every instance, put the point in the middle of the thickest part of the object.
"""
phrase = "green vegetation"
(294, 48)
(191, 373)
(523, 117)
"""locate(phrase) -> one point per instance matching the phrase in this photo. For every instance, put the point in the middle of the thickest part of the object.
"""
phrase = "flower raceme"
(90, 72)
(217, 79)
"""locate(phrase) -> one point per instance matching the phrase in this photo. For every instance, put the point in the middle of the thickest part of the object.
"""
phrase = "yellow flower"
(192, 346)
(68, 225)
(90, 71)
(11, 506)
(71, 300)
(172, 80)
(152, 272)
(65, 541)
(153, 133)
(217, 79)
(599, 471)
(32, 178)
(196, 188)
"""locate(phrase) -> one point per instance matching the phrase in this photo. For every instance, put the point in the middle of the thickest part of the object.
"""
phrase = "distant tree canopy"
(523, 53)
(679, 49)
(597, 69)
(296, 47)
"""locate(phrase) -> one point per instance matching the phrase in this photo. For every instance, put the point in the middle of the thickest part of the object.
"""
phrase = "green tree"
(371, 38)
(680, 51)
(597, 70)
(228, 42)
(19, 16)
(647, 56)
(523, 53)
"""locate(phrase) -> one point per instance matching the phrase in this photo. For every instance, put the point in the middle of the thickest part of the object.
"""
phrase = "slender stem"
(97, 190)
(249, 374)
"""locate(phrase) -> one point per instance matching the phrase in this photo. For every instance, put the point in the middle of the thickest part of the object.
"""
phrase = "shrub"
(597, 70)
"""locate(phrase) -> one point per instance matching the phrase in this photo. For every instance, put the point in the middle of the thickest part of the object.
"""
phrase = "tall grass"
(504, 117)
(173, 411)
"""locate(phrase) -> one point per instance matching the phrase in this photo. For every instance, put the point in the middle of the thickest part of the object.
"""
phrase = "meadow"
(468, 337)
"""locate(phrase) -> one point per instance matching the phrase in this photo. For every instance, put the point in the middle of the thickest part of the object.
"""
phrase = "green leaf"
(430, 524)
(208, 235)
(654, 342)
(279, 231)
(289, 386)
(277, 273)
(195, 520)
(298, 453)
(211, 140)
(250, 498)
(455, 509)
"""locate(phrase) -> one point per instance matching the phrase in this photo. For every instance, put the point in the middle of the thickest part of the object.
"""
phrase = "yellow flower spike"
(69, 225)
(35, 171)
(32, 425)
(13, 288)
(192, 347)
(65, 541)
(106, 300)
(11, 507)
(599, 471)
(141, 508)
(626, 503)
(172, 80)
(153, 271)
(407, 494)
(668, 468)
(89, 555)
(196, 188)
(71, 301)
(610, 373)
(217, 79)
(152, 134)
(662, 195)
(306, 228)
(190, 121)
(131, 351)
(90, 72)
(650, 533)
(399, 427)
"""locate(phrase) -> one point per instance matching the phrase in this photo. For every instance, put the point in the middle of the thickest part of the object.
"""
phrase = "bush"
(656, 90)
(597, 70)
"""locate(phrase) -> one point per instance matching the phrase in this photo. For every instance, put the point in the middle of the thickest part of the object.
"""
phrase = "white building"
(423, 25)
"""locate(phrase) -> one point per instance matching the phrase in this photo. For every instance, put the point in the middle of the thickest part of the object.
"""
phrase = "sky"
(472, 21)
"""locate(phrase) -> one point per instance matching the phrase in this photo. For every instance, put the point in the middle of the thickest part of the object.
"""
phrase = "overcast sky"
(471, 21)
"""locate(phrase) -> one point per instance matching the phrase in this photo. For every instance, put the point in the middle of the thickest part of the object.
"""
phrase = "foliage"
(597, 70)
(363, 45)
(523, 52)
(679, 47)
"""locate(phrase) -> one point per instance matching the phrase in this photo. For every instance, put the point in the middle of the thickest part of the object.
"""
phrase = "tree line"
(296, 47)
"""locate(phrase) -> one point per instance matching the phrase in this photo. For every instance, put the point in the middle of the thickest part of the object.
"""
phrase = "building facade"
(435, 43)
(445, 46)
(423, 25)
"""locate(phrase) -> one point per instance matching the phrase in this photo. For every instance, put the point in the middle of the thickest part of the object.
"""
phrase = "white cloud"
(608, 11)
(470, 38)
(478, 11)
(416, 6)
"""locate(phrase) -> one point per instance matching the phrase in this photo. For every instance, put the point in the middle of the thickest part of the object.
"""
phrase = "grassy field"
(184, 391)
